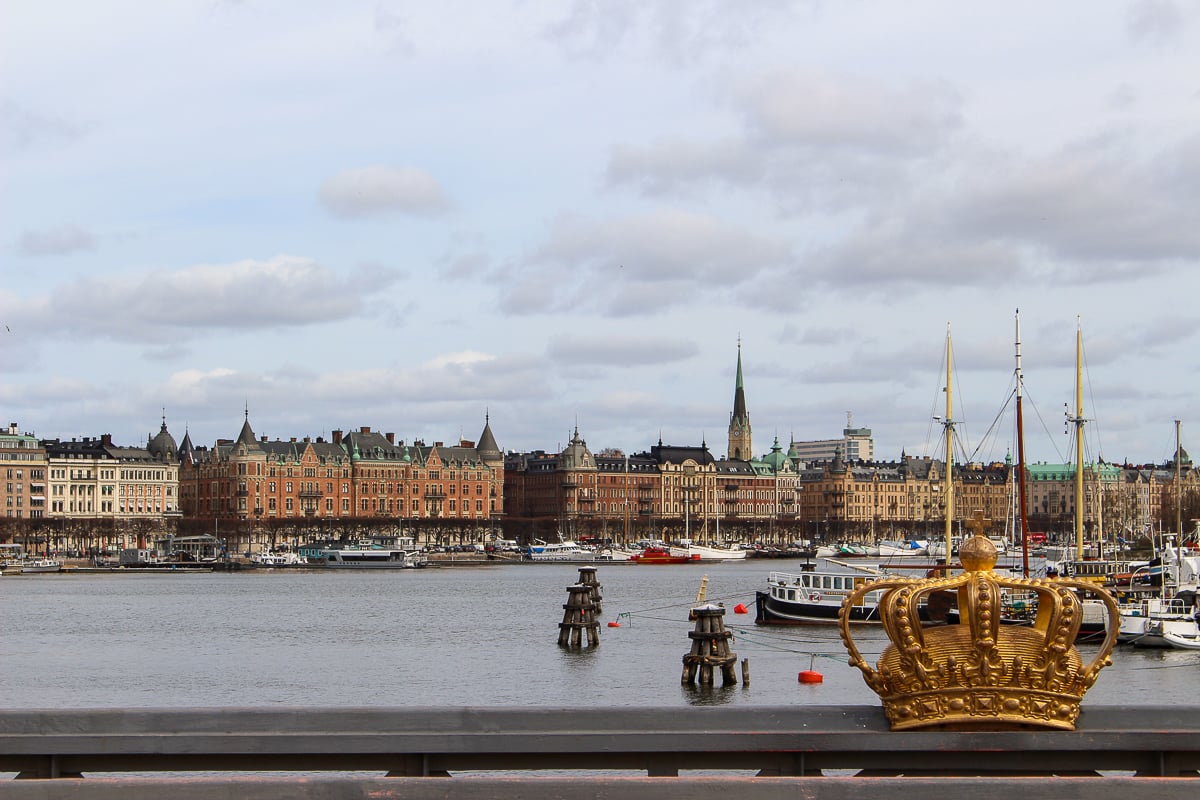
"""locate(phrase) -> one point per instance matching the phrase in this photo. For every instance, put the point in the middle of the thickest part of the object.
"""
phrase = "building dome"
(162, 446)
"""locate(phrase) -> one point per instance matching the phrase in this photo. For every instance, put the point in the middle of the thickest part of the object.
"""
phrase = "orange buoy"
(740, 608)
(614, 624)
(811, 676)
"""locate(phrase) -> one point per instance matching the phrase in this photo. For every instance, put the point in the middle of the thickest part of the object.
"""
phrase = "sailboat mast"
(948, 424)
(625, 540)
(1078, 420)
(1178, 493)
(1022, 508)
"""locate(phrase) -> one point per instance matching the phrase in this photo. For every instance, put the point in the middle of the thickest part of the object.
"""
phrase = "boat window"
(826, 582)
(791, 594)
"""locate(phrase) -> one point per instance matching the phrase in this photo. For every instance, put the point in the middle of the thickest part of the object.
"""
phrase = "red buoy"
(811, 676)
(740, 608)
(614, 624)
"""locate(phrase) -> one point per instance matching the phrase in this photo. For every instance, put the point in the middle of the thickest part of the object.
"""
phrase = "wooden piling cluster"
(579, 615)
(710, 648)
(587, 577)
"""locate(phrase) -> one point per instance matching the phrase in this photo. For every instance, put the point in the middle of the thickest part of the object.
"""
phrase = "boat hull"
(773, 611)
(657, 555)
(367, 559)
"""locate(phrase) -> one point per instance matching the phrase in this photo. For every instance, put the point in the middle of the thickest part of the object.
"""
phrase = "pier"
(830, 752)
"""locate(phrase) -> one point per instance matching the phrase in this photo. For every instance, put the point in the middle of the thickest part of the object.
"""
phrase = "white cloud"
(624, 265)
(608, 349)
(381, 191)
(1155, 21)
(466, 358)
(841, 113)
(284, 291)
(61, 240)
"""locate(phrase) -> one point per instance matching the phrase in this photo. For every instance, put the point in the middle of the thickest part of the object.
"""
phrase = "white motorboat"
(41, 565)
(902, 549)
(842, 550)
(612, 554)
(1159, 622)
(559, 551)
(268, 559)
(701, 552)
(377, 553)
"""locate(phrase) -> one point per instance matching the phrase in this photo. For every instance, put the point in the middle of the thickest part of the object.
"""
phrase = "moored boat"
(812, 598)
(41, 565)
(559, 551)
(613, 554)
(662, 555)
(375, 553)
(700, 552)
(269, 560)
(1160, 622)
(842, 550)
(902, 549)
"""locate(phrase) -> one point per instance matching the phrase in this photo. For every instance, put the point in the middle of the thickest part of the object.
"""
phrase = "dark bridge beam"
(1141, 744)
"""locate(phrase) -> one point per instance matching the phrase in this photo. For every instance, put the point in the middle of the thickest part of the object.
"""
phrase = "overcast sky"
(409, 215)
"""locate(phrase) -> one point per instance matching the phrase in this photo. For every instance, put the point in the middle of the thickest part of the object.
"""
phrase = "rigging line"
(933, 407)
(1092, 399)
(1050, 437)
(995, 423)
(1029, 403)
(692, 603)
(751, 641)
(1187, 664)
(765, 633)
(632, 615)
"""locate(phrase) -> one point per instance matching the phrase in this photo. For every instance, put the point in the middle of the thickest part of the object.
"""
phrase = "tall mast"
(1078, 421)
(948, 424)
(1178, 493)
(625, 541)
(1021, 497)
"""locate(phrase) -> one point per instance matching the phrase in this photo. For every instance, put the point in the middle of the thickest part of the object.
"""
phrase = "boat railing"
(756, 753)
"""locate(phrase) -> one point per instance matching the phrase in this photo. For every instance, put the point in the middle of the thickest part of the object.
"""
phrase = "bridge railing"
(766, 752)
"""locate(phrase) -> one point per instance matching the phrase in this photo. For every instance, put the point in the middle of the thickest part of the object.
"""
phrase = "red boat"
(661, 555)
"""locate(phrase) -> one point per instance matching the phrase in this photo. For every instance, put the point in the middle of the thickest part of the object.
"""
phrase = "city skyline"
(568, 214)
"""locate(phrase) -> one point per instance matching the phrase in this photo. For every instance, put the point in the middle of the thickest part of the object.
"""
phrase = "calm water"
(462, 636)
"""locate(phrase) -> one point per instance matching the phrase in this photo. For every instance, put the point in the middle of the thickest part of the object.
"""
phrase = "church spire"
(740, 444)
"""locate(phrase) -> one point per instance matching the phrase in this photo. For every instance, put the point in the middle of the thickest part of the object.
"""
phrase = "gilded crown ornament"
(979, 672)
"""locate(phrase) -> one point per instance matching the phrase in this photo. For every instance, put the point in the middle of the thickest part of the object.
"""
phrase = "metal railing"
(758, 752)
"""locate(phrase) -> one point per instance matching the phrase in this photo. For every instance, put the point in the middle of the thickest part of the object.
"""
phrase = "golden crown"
(981, 671)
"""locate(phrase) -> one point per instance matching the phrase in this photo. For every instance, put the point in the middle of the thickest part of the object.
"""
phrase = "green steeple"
(740, 444)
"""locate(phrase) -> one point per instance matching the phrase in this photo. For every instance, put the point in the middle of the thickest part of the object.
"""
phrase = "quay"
(763, 753)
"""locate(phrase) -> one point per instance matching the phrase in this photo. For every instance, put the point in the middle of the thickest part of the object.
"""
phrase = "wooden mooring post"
(587, 577)
(710, 648)
(579, 615)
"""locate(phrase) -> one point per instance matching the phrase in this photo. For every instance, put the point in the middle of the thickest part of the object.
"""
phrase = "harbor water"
(458, 636)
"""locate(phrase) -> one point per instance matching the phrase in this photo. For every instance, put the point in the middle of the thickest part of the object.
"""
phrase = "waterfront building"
(92, 478)
(105, 496)
(23, 460)
(839, 499)
(361, 476)
(1118, 501)
(682, 489)
(856, 444)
